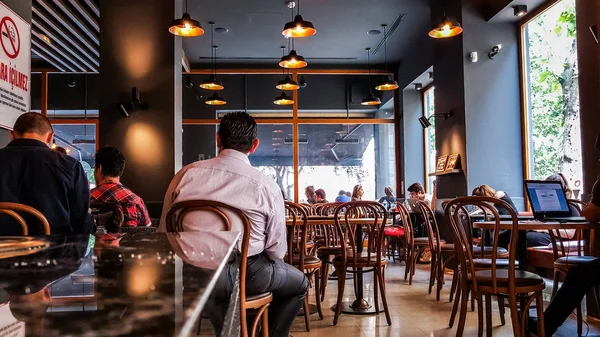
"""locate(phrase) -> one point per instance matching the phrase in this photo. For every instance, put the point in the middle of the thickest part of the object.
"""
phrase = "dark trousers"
(288, 285)
(578, 281)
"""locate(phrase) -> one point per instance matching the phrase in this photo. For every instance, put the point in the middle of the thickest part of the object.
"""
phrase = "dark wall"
(493, 106)
(147, 56)
(21, 7)
(199, 140)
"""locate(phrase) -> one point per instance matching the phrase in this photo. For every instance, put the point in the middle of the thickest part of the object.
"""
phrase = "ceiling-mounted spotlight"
(71, 82)
(186, 26)
(293, 61)
(287, 84)
(298, 27)
(445, 28)
(520, 10)
(388, 83)
(283, 99)
(302, 82)
(215, 99)
(418, 86)
(188, 83)
(425, 123)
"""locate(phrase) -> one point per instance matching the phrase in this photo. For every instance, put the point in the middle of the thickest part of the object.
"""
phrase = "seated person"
(110, 164)
(389, 196)
(487, 191)
(357, 193)
(229, 178)
(579, 279)
(33, 174)
(416, 191)
(321, 196)
(309, 192)
(342, 197)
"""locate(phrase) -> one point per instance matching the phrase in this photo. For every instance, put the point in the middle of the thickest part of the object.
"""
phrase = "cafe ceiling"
(65, 33)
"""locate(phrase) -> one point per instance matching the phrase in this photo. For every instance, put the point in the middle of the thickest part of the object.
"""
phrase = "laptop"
(412, 205)
(549, 202)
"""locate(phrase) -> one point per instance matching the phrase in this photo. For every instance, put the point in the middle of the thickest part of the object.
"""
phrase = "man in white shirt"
(229, 178)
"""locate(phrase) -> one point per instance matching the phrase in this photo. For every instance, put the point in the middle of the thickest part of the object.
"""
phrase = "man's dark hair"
(32, 122)
(321, 193)
(111, 160)
(416, 188)
(342, 192)
(237, 131)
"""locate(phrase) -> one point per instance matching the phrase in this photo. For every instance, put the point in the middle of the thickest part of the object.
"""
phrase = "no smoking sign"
(11, 40)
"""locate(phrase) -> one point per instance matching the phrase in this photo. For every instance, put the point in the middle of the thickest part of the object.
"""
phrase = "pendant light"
(186, 26)
(388, 83)
(446, 27)
(287, 83)
(371, 99)
(215, 99)
(298, 27)
(211, 83)
(283, 99)
(293, 60)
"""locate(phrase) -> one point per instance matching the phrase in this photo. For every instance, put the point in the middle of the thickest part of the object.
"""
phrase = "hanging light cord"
(186, 8)
(385, 46)
(369, 67)
(213, 53)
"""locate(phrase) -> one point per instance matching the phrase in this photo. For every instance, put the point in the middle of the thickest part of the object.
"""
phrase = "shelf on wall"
(443, 173)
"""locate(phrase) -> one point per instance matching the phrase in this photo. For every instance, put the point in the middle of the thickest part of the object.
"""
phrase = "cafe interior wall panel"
(331, 92)
(141, 53)
(589, 89)
(414, 152)
(493, 106)
(448, 73)
(66, 100)
(261, 92)
(35, 90)
(194, 98)
(199, 142)
(21, 7)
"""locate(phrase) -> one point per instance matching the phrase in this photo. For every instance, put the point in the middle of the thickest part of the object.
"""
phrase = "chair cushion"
(447, 246)
(250, 298)
(487, 250)
(308, 260)
(570, 246)
(330, 250)
(522, 278)
(573, 260)
(394, 231)
(487, 263)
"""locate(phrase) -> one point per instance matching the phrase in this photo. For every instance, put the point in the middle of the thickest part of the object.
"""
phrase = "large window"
(79, 141)
(552, 93)
(429, 133)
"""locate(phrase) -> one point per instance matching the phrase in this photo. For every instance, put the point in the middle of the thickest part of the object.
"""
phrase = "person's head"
(238, 131)
(349, 194)
(110, 163)
(388, 191)
(416, 191)
(563, 182)
(342, 192)
(60, 149)
(309, 192)
(320, 194)
(358, 192)
(484, 191)
(32, 125)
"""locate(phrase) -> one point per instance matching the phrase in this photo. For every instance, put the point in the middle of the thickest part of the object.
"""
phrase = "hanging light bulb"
(212, 83)
(186, 26)
(283, 99)
(388, 83)
(215, 99)
(293, 61)
(371, 99)
(445, 28)
(298, 27)
(287, 83)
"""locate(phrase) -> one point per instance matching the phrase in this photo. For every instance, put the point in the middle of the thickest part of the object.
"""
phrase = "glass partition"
(79, 140)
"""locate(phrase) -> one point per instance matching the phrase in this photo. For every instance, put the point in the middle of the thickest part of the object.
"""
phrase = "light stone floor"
(413, 311)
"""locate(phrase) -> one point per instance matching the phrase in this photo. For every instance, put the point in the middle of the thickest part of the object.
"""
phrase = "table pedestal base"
(359, 307)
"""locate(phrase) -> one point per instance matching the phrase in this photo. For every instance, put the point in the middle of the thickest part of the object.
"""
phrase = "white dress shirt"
(229, 178)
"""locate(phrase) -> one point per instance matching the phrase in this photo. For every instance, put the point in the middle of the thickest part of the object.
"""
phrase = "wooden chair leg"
(318, 292)
(454, 307)
(462, 318)
(375, 290)
(341, 276)
(324, 279)
(472, 302)
(453, 287)
(407, 263)
(413, 267)
(555, 282)
(488, 314)
(432, 271)
(265, 324)
(539, 303)
(381, 282)
(501, 309)
(306, 314)
(479, 314)
(199, 325)
(514, 316)
(579, 320)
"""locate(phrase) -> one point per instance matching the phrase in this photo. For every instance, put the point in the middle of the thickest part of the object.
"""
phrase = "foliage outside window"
(553, 94)
(430, 153)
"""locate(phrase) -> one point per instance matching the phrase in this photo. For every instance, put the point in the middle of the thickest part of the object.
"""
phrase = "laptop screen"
(547, 197)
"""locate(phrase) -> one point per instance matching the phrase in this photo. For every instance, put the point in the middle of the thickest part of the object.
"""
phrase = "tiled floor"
(413, 311)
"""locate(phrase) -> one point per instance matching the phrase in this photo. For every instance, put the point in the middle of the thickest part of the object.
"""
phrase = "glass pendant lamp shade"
(215, 100)
(387, 85)
(283, 99)
(212, 84)
(293, 61)
(445, 28)
(186, 26)
(287, 84)
(299, 28)
(370, 100)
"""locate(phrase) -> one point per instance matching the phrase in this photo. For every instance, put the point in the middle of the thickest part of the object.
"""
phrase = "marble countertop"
(135, 285)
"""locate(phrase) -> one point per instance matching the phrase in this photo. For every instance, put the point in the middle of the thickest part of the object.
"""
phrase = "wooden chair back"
(107, 215)
(372, 230)
(174, 223)
(297, 233)
(13, 209)
(430, 225)
(565, 242)
(409, 233)
(464, 246)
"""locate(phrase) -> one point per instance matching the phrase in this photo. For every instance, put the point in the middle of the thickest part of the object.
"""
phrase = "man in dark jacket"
(51, 182)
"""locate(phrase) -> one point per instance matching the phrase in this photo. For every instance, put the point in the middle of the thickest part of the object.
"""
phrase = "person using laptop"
(578, 280)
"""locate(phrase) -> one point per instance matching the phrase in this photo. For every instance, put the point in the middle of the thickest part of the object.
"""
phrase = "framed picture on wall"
(441, 164)
(453, 162)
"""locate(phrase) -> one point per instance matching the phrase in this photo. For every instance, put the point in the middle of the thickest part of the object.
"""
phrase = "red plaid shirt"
(133, 207)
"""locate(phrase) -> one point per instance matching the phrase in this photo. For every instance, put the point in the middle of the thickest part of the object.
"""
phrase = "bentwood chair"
(359, 259)
(13, 209)
(500, 279)
(569, 253)
(296, 256)
(260, 302)
(328, 242)
(409, 245)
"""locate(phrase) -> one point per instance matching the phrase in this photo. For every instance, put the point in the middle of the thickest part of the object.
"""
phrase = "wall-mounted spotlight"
(71, 82)
(188, 83)
(418, 86)
(425, 123)
(135, 104)
(495, 50)
(520, 10)
(302, 82)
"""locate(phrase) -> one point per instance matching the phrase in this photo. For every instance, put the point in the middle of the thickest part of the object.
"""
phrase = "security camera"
(495, 50)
